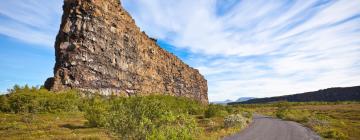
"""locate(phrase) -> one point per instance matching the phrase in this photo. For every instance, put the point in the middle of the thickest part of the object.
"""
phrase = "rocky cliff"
(100, 49)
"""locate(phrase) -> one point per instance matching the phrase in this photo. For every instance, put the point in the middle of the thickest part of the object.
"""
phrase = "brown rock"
(100, 49)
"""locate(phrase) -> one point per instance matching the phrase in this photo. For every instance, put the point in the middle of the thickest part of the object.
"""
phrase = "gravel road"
(267, 128)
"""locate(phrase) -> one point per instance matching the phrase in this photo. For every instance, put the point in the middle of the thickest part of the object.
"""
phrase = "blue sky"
(256, 48)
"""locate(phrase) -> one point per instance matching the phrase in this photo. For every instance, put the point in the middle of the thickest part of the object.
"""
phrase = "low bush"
(285, 112)
(4, 104)
(235, 120)
(96, 111)
(39, 100)
(149, 117)
(215, 110)
(293, 115)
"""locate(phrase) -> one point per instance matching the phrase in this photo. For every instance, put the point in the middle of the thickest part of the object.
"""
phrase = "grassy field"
(330, 120)
(73, 126)
(341, 118)
(60, 126)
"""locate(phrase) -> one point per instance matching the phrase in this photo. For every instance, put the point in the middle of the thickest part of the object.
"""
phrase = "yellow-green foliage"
(215, 110)
(96, 111)
(327, 126)
(4, 104)
(293, 115)
(149, 117)
(334, 134)
(38, 114)
(34, 100)
(48, 126)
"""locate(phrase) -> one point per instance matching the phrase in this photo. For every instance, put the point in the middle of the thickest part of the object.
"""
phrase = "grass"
(341, 119)
(59, 126)
(73, 126)
(335, 120)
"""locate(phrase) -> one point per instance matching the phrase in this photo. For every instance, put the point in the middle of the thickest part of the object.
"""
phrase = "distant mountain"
(242, 99)
(328, 95)
(222, 102)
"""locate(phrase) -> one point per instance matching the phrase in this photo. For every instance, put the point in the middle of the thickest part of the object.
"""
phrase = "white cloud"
(251, 48)
(260, 48)
(32, 21)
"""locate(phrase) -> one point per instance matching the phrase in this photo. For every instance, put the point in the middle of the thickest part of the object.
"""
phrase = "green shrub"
(4, 104)
(230, 109)
(96, 110)
(293, 115)
(235, 120)
(23, 103)
(34, 100)
(67, 101)
(215, 110)
(150, 117)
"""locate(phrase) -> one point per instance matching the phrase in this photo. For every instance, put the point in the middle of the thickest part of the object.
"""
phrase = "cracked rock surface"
(100, 49)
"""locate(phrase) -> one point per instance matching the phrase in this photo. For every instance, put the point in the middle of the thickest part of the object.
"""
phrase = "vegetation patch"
(36, 113)
(149, 117)
(235, 120)
(331, 120)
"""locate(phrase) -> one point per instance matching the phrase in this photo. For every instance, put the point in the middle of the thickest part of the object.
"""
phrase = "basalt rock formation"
(100, 49)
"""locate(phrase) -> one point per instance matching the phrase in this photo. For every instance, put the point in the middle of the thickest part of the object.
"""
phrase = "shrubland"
(149, 117)
(36, 113)
(39, 100)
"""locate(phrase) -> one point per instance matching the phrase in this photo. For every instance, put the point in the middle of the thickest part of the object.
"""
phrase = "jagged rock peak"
(100, 49)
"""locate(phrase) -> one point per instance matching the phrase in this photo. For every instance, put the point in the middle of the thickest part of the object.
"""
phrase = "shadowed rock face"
(100, 49)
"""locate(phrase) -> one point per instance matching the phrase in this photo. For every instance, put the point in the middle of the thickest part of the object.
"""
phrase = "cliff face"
(100, 49)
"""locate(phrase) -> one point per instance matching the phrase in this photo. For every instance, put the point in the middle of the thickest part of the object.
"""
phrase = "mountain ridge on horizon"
(329, 94)
(241, 99)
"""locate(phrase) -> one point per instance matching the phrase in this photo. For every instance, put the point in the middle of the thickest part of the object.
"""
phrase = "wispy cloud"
(260, 48)
(243, 47)
(33, 21)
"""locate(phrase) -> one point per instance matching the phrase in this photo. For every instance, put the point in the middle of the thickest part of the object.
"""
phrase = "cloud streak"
(260, 48)
(244, 48)
(32, 21)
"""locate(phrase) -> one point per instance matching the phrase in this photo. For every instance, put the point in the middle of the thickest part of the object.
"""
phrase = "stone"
(99, 49)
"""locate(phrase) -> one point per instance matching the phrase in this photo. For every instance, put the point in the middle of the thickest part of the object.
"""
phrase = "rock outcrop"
(100, 49)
